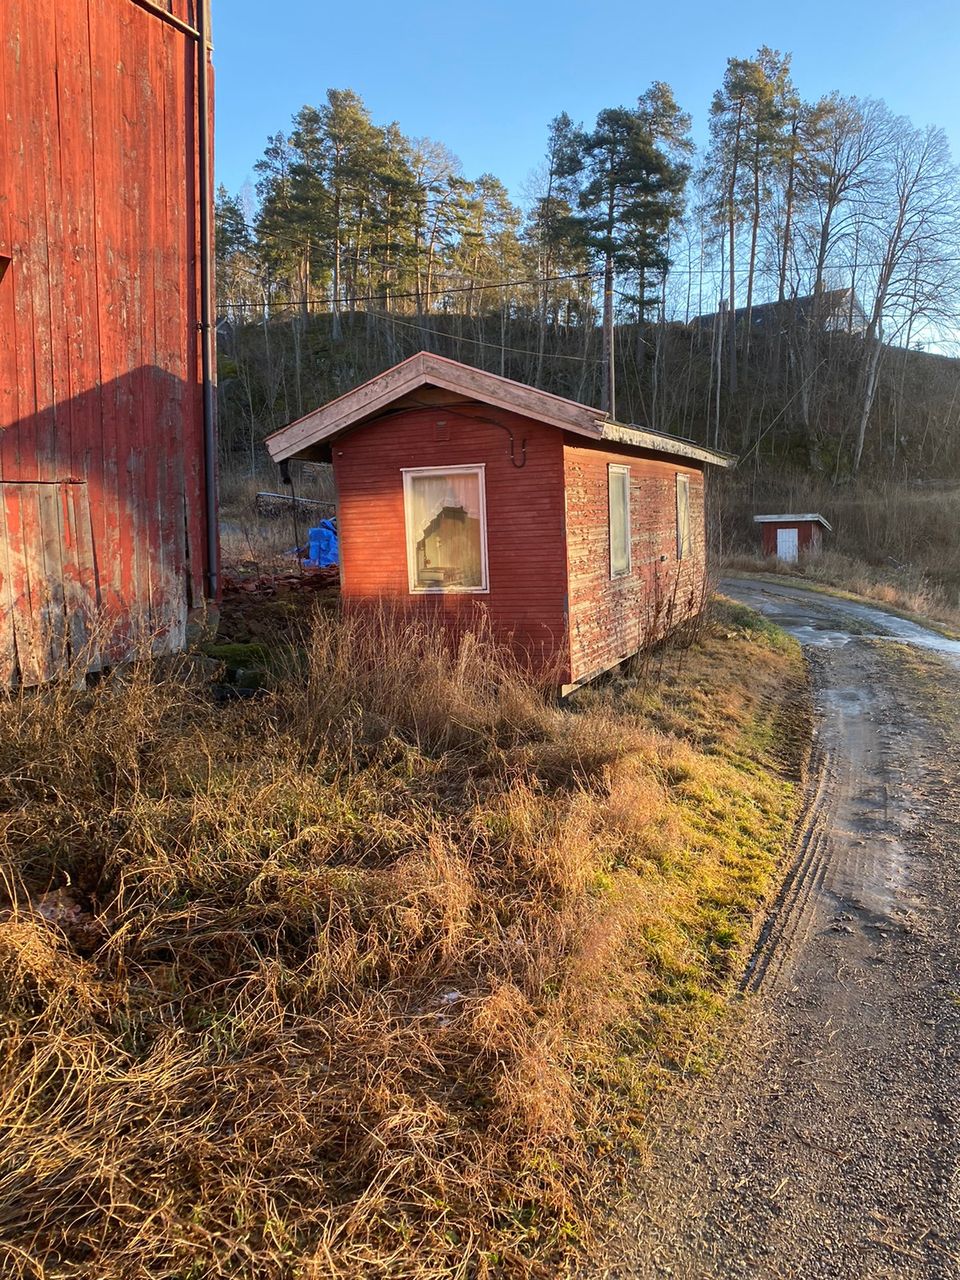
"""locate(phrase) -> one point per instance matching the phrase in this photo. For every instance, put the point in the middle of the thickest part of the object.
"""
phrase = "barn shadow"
(103, 535)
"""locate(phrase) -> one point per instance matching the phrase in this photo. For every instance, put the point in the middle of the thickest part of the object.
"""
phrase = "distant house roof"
(831, 309)
(427, 370)
(813, 517)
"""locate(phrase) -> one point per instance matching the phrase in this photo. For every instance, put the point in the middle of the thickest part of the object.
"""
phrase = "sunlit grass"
(361, 975)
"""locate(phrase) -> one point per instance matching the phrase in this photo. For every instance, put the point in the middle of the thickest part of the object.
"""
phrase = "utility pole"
(608, 396)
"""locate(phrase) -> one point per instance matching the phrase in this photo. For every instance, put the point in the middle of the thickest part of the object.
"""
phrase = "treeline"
(802, 224)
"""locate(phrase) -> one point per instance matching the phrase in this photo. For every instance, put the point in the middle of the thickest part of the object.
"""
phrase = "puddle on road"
(818, 637)
(821, 621)
(848, 701)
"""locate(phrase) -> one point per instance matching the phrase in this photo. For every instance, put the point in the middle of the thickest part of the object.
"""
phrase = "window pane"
(619, 481)
(683, 516)
(446, 534)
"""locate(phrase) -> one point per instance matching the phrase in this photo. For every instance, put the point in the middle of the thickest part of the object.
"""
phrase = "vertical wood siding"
(100, 361)
(525, 534)
(48, 595)
(613, 618)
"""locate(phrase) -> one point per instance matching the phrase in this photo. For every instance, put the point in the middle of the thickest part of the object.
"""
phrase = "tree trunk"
(732, 221)
(608, 400)
(869, 393)
(641, 327)
(788, 213)
(336, 331)
(754, 232)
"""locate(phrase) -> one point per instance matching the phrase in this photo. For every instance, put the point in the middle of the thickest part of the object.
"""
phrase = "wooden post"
(608, 397)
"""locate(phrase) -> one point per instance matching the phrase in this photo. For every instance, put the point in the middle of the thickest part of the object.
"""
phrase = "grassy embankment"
(373, 974)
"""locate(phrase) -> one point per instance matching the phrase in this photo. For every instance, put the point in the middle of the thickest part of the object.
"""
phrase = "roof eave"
(811, 517)
(423, 369)
(660, 442)
(363, 403)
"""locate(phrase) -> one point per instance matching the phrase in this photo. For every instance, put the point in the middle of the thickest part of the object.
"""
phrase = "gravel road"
(828, 1142)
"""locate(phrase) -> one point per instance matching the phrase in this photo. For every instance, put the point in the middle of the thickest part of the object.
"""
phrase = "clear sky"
(487, 78)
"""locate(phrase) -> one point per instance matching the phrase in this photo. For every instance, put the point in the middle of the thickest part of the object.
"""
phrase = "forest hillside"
(788, 291)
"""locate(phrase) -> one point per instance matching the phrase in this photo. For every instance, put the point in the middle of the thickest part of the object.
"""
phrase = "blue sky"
(487, 79)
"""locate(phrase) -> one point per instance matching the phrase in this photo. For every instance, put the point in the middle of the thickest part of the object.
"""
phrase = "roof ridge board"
(498, 377)
(427, 368)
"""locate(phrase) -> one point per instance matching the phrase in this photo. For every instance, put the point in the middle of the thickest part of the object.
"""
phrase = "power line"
(426, 293)
(476, 342)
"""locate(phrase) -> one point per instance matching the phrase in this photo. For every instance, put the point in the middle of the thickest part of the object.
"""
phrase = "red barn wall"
(525, 519)
(809, 535)
(101, 448)
(612, 618)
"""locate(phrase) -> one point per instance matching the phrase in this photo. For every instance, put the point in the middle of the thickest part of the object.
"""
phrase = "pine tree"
(631, 191)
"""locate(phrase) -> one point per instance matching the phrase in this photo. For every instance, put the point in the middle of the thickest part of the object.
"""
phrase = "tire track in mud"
(788, 917)
(827, 1145)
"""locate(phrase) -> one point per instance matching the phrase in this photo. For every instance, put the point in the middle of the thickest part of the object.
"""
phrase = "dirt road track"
(828, 1144)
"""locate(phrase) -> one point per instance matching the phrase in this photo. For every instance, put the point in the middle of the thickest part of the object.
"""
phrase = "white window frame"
(619, 468)
(683, 543)
(409, 474)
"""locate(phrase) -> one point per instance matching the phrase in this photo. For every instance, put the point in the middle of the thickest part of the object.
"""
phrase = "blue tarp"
(324, 550)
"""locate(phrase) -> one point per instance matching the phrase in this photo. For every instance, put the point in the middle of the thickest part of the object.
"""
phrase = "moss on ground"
(934, 683)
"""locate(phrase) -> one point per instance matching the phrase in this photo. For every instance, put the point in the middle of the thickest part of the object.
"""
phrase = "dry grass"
(361, 977)
(253, 543)
(894, 543)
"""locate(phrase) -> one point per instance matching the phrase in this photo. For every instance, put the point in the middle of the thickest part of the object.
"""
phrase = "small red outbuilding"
(582, 539)
(787, 536)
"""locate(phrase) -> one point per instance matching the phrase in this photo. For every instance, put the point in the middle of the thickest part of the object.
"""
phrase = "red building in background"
(581, 539)
(107, 458)
(789, 536)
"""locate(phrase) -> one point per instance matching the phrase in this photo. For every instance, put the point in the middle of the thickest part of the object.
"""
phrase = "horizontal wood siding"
(613, 618)
(525, 533)
(100, 358)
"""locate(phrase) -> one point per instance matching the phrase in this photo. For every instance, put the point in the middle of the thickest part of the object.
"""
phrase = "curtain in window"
(446, 533)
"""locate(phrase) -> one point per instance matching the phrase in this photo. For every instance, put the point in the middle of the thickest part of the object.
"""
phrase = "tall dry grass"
(361, 977)
(894, 542)
(249, 540)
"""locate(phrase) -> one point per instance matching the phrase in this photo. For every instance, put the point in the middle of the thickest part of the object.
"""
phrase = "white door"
(788, 547)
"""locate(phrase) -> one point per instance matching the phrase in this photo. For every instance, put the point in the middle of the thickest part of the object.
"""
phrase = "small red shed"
(581, 538)
(787, 536)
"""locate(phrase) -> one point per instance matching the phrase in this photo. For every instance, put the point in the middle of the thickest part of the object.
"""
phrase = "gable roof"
(823, 308)
(428, 370)
(814, 517)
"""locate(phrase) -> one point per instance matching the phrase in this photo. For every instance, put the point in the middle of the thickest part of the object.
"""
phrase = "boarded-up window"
(618, 481)
(445, 514)
(683, 516)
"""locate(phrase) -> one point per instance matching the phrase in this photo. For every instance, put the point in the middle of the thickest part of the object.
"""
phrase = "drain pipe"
(207, 318)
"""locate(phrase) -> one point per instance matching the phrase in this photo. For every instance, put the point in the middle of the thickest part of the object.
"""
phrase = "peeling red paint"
(100, 394)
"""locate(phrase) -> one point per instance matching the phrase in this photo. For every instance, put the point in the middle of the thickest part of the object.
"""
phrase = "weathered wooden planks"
(47, 584)
(99, 348)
